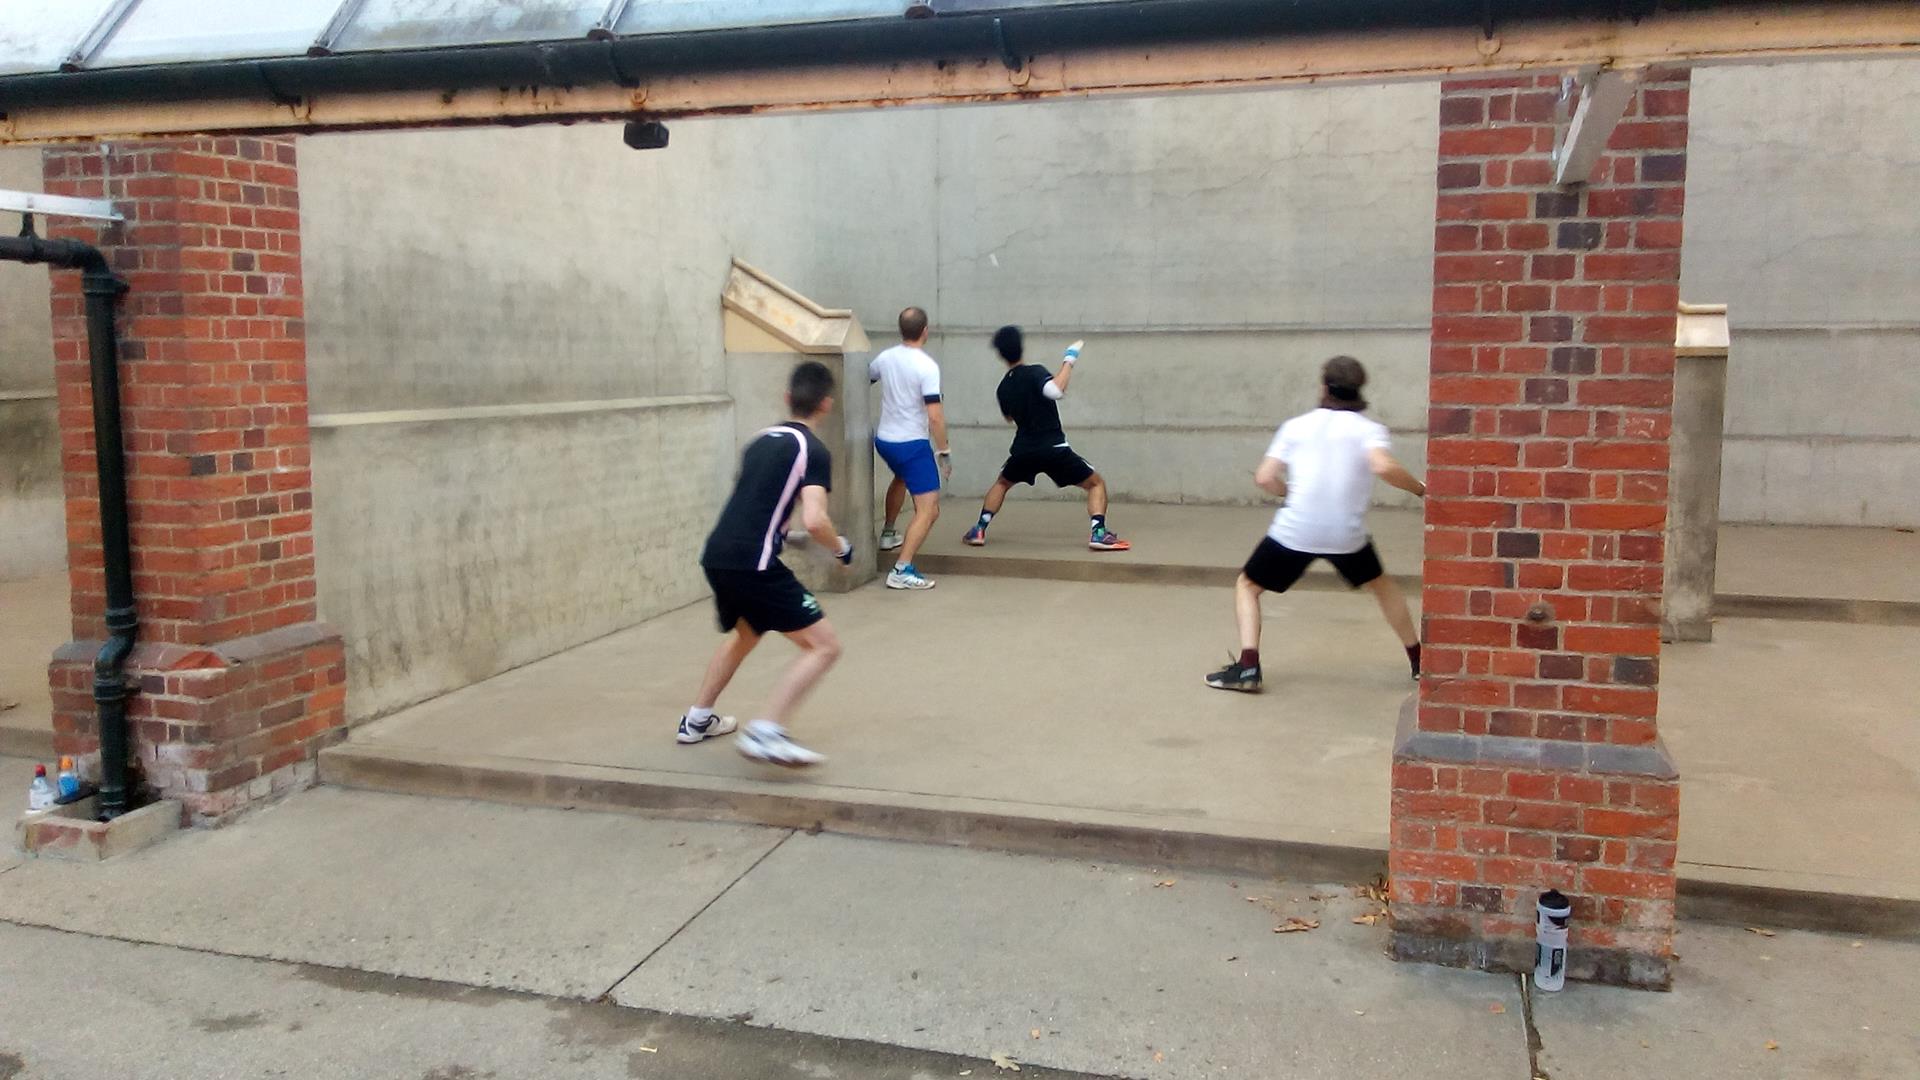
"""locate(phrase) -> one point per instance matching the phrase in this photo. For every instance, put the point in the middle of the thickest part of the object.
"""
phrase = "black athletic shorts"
(771, 601)
(1061, 465)
(1275, 566)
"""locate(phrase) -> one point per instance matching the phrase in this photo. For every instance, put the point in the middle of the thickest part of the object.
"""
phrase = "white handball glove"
(1073, 352)
(845, 554)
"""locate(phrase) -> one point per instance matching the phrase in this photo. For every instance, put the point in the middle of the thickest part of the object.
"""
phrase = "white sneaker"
(890, 540)
(907, 577)
(710, 728)
(764, 740)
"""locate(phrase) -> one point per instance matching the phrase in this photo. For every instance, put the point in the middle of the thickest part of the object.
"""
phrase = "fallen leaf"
(1366, 920)
(1644, 1044)
(1005, 1063)
(6, 703)
(649, 1049)
(1359, 1012)
(1771, 1045)
(1231, 959)
(966, 1072)
(1496, 1008)
(1035, 1033)
(1295, 925)
(1317, 897)
(1859, 944)
(1158, 1057)
(1762, 931)
(1167, 884)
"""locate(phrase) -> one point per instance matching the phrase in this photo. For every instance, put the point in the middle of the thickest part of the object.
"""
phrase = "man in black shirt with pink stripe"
(784, 467)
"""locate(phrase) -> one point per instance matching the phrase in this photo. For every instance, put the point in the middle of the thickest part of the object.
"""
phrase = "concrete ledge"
(1129, 572)
(1891, 918)
(71, 831)
(28, 741)
(1095, 835)
(1817, 609)
(1089, 834)
(1116, 571)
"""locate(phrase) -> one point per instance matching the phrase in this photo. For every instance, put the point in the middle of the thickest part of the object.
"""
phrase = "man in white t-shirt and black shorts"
(910, 412)
(1323, 464)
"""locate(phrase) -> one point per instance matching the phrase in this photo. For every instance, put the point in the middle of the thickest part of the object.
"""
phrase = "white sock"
(898, 565)
(698, 716)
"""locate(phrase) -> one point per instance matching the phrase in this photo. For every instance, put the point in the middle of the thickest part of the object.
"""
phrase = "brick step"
(1103, 836)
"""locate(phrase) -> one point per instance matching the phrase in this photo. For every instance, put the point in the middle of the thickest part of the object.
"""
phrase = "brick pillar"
(1531, 758)
(238, 685)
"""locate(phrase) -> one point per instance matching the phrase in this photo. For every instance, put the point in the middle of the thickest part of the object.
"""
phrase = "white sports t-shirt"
(907, 378)
(1329, 480)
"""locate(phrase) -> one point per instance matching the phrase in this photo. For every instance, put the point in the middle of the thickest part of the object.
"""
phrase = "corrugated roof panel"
(426, 24)
(35, 35)
(168, 31)
(668, 16)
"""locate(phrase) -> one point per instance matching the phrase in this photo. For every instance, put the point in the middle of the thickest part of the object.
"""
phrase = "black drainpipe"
(102, 288)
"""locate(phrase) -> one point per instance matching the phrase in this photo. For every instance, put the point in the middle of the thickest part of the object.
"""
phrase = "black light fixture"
(646, 135)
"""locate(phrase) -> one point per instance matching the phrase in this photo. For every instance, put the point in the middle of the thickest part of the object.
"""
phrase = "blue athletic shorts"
(913, 463)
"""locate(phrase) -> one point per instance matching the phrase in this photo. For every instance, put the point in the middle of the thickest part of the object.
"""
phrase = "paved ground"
(347, 934)
(1761, 560)
(1797, 742)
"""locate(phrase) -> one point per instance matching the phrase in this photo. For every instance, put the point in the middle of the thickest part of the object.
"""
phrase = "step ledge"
(1095, 835)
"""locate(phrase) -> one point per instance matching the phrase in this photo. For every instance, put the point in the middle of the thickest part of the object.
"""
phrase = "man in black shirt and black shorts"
(755, 594)
(1029, 398)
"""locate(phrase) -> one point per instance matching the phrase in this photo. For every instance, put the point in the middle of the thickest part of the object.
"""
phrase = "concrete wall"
(518, 373)
(1213, 250)
(1802, 214)
(33, 532)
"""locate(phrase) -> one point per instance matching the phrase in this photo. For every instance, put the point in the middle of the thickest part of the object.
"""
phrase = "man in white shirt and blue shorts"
(1323, 464)
(910, 412)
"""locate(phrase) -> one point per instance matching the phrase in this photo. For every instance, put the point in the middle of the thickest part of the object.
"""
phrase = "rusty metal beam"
(1731, 34)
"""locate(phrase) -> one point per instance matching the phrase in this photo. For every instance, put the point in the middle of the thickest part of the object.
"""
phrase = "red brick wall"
(1551, 387)
(213, 386)
(239, 684)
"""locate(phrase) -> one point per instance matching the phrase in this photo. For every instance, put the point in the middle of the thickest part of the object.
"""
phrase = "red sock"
(1250, 658)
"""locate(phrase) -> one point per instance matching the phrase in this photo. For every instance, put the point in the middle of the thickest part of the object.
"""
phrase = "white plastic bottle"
(1550, 940)
(39, 793)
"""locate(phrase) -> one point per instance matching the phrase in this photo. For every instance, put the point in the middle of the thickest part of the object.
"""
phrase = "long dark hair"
(1342, 377)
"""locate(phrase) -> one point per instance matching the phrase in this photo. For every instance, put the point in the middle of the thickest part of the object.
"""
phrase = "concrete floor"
(1797, 743)
(348, 934)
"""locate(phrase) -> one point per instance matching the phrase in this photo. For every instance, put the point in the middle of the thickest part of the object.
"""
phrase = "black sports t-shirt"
(775, 466)
(1036, 416)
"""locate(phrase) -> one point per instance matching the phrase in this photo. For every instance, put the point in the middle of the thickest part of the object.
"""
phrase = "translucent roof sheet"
(159, 31)
(668, 16)
(35, 35)
(421, 24)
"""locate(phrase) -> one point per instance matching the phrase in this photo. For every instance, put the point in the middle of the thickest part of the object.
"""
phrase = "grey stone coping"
(1411, 743)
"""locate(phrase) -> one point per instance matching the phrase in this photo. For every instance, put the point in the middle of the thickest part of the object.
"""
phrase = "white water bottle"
(39, 793)
(1550, 940)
